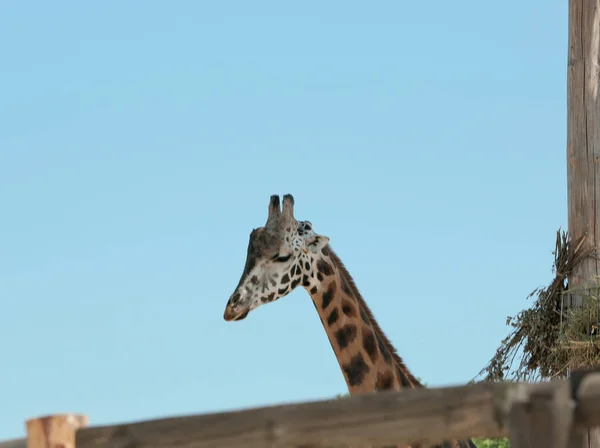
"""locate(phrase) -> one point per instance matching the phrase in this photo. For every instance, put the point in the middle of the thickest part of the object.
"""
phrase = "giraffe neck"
(366, 357)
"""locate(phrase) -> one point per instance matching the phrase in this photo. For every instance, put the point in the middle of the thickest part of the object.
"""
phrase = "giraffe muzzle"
(232, 314)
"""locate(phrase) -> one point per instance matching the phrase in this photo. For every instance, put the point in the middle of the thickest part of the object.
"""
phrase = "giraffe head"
(281, 256)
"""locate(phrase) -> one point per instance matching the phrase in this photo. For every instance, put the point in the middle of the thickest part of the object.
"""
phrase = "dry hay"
(582, 355)
(546, 342)
(579, 340)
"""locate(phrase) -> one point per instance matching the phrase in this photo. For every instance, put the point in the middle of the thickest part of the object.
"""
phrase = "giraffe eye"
(282, 259)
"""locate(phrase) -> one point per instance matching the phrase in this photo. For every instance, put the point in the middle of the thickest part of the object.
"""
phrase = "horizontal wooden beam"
(405, 417)
(378, 419)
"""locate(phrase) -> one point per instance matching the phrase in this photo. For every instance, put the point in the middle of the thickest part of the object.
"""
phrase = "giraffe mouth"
(241, 316)
(233, 315)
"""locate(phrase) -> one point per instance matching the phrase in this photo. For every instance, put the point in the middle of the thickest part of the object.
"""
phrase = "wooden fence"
(546, 415)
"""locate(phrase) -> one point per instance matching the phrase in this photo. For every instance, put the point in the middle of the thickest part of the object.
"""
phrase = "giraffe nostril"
(235, 298)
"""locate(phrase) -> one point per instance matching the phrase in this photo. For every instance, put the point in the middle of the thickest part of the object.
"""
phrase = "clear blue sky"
(139, 144)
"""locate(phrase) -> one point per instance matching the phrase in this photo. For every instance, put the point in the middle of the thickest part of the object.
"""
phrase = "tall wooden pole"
(583, 145)
(583, 132)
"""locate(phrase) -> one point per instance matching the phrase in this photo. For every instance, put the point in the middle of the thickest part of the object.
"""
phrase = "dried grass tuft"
(544, 342)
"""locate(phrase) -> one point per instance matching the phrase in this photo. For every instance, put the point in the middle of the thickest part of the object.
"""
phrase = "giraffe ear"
(316, 243)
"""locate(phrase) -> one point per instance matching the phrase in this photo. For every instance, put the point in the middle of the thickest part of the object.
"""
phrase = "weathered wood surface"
(407, 417)
(54, 430)
(583, 131)
(583, 145)
(49, 431)
(533, 415)
(377, 419)
(544, 420)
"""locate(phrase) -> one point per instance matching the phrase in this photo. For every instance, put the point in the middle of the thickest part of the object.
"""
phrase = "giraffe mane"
(361, 302)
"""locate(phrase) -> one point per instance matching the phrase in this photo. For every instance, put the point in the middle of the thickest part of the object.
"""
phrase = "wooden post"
(54, 431)
(545, 420)
(583, 145)
(583, 132)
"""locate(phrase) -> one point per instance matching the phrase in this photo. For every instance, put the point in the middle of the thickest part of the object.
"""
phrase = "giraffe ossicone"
(281, 255)
(286, 253)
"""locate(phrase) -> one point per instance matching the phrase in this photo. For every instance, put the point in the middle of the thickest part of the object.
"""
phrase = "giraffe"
(286, 253)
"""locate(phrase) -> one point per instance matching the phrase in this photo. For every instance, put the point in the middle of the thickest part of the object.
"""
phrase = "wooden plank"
(543, 412)
(551, 412)
(519, 422)
(587, 394)
(406, 417)
(544, 420)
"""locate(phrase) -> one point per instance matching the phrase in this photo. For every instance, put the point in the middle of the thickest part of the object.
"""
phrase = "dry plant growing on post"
(540, 334)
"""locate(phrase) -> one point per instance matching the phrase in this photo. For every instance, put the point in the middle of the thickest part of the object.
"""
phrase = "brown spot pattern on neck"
(369, 338)
(367, 358)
